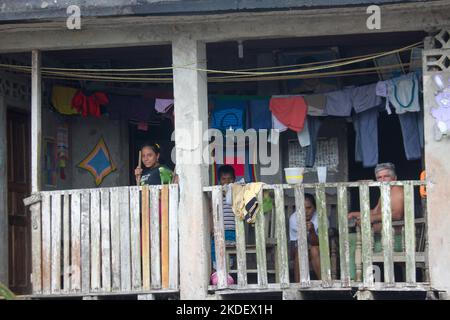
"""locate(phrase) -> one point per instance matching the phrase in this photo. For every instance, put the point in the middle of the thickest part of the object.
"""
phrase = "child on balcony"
(153, 173)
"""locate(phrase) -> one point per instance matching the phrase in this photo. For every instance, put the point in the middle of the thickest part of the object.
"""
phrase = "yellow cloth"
(245, 204)
(62, 99)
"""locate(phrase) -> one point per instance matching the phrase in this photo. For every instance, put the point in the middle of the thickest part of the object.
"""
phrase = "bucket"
(293, 175)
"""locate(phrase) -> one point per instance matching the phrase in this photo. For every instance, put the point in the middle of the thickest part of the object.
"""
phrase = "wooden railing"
(364, 243)
(122, 239)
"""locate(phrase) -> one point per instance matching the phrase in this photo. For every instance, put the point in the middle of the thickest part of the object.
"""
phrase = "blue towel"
(229, 114)
(260, 115)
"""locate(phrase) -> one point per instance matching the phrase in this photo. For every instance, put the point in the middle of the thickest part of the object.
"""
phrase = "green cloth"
(378, 247)
(166, 175)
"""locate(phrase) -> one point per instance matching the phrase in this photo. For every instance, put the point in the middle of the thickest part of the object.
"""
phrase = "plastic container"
(294, 175)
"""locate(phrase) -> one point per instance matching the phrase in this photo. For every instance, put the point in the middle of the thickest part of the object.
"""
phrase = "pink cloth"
(215, 279)
(163, 105)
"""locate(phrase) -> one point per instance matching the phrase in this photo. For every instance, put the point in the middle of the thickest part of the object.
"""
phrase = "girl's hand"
(138, 171)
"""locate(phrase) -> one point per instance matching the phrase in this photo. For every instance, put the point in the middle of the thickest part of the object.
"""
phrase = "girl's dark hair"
(311, 199)
(154, 146)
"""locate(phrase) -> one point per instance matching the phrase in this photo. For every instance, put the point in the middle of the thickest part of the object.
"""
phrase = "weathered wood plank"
(135, 239)
(106, 242)
(386, 234)
(115, 239)
(410, 241)
(173, 236)
(125, 245)
(165, 237)
(36, 241)
(280, 231)
(302, 241)
(66, 242)
(155, 242)
(36, 120)
(56, 243)
(75, 236)
(343, 236)
(241, 251)
(325, 264)
(366, 236)
(260, 239)
(95, 241)
(85, 243)
(219, 237)
(145, 238)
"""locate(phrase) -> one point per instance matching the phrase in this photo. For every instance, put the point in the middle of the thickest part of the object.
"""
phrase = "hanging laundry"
(411, 135)
(303, 136)
(245, 200)
(365, 98)
(290, 111)
(381, 89)
(403, 93)
(316, 104)
(339, 103)
(62, 99)
(89, 105)
(163, 105)
(314, 124)
(229, 114)
(366, 145)
(260, 115)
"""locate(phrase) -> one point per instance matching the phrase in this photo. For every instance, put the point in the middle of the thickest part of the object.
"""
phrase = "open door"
(19, 238)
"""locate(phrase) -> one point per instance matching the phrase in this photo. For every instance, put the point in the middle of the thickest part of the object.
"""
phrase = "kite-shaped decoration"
(98, 162)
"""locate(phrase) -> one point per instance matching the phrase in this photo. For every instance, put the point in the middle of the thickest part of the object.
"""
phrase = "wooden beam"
(36, 99)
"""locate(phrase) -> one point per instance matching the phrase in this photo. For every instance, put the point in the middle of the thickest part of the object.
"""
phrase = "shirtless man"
(384, 172)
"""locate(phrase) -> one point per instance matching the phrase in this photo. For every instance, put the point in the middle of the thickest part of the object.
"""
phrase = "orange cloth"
(290, 111)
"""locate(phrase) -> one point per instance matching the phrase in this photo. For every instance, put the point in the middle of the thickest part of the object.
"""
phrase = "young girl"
(152, 173)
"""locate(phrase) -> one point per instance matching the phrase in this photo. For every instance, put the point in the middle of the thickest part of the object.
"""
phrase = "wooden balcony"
(105, 241)
(334, 255)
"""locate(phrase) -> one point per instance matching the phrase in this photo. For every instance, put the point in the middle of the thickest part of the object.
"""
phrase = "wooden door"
(19, 239)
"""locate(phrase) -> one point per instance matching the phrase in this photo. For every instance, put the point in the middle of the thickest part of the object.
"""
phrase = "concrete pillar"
(438, 193)
(36, 132)
(190, 93)
(3, 194)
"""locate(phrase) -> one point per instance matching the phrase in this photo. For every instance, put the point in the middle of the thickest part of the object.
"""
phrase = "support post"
(3, 194)
(35, 120)
(190, 93)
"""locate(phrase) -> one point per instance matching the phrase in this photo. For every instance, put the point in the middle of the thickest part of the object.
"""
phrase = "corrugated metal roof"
(26, 10)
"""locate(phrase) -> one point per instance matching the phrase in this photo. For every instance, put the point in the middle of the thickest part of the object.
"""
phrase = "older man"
(384, 172)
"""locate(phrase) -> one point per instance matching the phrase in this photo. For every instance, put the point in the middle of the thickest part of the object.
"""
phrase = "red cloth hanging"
(89, 105)
(290, 111)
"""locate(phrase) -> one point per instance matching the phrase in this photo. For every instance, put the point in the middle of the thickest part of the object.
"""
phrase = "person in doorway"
(384, 172)
(226, 176)
(152, 172)
(312, 228)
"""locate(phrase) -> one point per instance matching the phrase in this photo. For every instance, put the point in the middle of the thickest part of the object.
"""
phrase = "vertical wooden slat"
(343, 236)
(386, 234)
(115, 239)
(260, 239)
(95, 241)
(302, 241)
(66, 242)
(165, 237)
(155, 256)
(36, 245)
(36, 120)
(85, 242)
(173, 236)
(366, 236)
(410, 243)
(135, 239)
(125, 246)
(219, 237)
(46, 243)
(280, 230)
(56, 242)
(325, 264)
(145, 238)
(75, 236)
(241, 251)
(106, 242)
